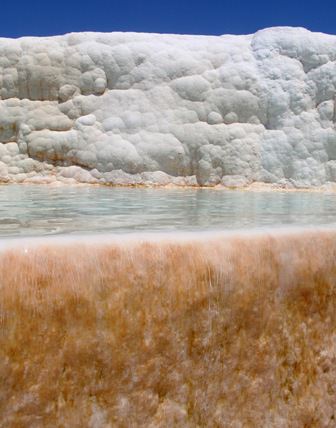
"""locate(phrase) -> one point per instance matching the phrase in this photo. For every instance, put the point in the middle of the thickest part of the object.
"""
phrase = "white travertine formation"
(127, 108)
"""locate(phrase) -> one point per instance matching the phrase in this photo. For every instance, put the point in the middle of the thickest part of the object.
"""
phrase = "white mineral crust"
(127, 108)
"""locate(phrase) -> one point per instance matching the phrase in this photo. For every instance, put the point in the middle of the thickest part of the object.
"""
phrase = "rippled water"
(27, 210)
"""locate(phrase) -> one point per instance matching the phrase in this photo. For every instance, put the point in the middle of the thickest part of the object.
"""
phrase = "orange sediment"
(231, 331)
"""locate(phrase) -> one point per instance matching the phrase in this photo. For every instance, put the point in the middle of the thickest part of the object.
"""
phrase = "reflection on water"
(40, 210)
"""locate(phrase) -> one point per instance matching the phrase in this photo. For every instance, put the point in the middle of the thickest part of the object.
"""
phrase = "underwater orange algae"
(227, 331)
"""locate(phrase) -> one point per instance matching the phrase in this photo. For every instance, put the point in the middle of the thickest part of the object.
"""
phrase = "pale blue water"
(33, 210)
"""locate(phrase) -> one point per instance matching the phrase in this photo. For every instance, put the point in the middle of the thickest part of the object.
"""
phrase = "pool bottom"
(235, 330)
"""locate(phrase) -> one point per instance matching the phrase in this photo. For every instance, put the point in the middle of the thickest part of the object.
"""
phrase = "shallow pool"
(27, 210)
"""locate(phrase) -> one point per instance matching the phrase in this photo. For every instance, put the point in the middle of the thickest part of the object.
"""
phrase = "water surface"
(36, 210)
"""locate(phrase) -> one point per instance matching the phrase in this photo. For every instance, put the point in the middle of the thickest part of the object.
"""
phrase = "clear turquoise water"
(33, 210)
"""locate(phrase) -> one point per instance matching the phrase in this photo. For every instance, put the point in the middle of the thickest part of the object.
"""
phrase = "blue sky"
(49, 17)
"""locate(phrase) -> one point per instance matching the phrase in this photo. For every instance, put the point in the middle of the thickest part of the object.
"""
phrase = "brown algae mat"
(231, 331)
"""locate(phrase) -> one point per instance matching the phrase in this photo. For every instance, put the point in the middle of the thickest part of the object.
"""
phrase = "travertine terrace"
(127, 108)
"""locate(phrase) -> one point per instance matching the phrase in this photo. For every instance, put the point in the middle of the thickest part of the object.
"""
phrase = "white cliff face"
(128, 108)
